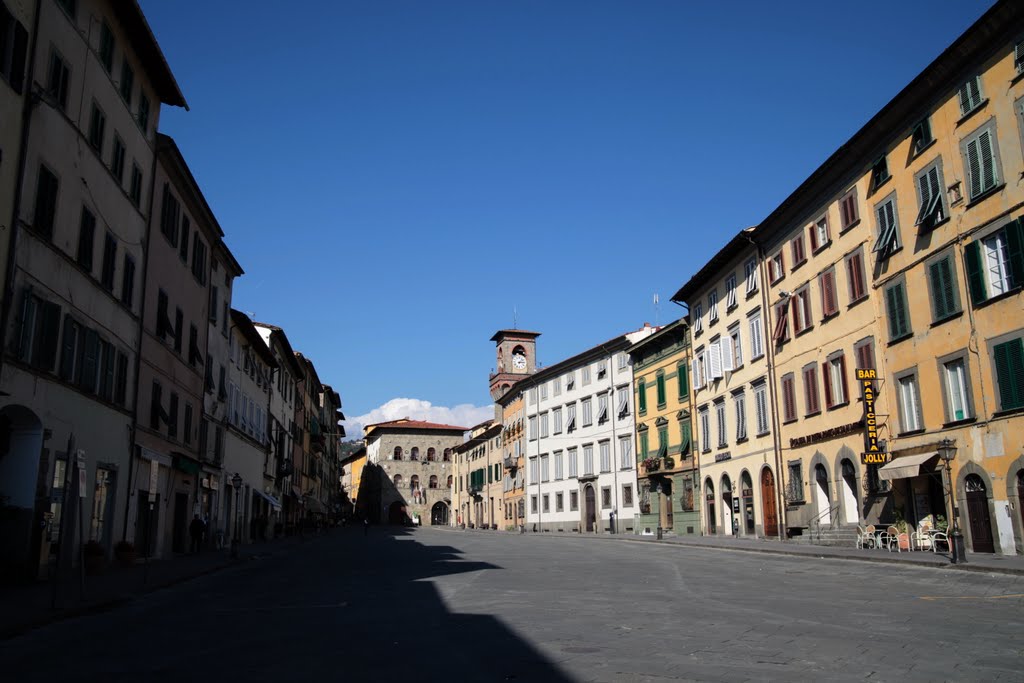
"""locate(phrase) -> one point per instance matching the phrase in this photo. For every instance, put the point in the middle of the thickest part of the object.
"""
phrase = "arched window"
(414, 482)
(449, 481)
(397, 455)
(398, 480)
(447, 455)
(433, 481)
(431, 455)
(414, 454)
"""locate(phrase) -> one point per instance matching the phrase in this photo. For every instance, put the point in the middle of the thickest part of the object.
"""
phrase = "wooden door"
(1020, 496)
(590, 508)
(977, 515)
(768, 510)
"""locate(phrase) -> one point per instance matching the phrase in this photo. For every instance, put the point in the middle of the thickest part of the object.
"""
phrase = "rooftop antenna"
(515, 317)
(656, 309)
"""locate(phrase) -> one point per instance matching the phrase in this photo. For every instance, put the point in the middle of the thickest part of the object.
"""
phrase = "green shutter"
(975, 276)
(1009, 360)
(944, 296)
(684, 447)
(644, 446)
(1015, 248)
(898, 324)
(661, 390)
(684, 380)
(641, 391)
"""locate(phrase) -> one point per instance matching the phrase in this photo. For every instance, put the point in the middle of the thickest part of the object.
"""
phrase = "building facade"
(478, 471)
(668, 480)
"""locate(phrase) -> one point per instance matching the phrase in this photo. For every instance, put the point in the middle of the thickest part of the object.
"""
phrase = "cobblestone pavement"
(430, 605)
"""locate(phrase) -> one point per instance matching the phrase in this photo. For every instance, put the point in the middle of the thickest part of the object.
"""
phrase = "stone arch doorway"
(589, 508)
(1020, 496)
(768, 509)
(849, 492)
(709, 498)
(727, 518)
(396, 513)
(21, 444)
(978, 519)
(822, 499)
(747, 494)
(439, 514)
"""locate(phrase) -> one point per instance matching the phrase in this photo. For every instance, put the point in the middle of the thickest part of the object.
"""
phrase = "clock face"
(519, 361)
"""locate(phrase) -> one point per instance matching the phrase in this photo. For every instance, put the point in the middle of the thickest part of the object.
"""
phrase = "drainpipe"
(773, 407)
(31, 100)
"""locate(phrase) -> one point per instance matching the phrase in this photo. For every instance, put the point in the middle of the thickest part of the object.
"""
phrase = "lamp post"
(947, 451)
(236, 482)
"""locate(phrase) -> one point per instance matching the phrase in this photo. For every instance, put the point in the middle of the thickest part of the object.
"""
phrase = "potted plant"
(94, 557)
(125, 553)
(652, 464)
(670, 462)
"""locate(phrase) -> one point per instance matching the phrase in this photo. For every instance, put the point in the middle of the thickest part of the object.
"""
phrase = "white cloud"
(463, 415)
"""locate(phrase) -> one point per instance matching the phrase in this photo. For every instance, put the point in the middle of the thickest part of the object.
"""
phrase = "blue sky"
(397, 177)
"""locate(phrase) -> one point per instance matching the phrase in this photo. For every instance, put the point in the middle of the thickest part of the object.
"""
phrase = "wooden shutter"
(788, 399)
(641, 391)
(826, 377)
(975, 275)
(828, 293)
(684, 385)
(1015, 252)
(897, 312)
(842, 376)
(989, 177)
(974, 167)
(715, 360)
(781, 325)
(1009, 361)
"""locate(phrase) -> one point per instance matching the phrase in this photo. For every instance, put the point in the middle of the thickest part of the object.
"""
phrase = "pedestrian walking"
(366, 526)
(195, 530)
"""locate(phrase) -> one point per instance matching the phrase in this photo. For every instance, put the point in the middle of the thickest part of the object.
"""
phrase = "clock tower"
(516, 358)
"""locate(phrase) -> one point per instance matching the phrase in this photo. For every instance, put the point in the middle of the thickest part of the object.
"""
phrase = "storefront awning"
(313, 505)
(906, 467)
(297, 492)
(274, 502)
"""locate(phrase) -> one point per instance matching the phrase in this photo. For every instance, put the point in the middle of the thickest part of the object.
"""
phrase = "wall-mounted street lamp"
(947, 451)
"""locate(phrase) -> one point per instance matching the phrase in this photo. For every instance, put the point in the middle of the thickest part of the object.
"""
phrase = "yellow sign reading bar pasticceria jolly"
(873, 453)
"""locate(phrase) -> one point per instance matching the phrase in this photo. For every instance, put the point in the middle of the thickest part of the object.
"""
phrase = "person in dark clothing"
(366, 526)
(195, 531)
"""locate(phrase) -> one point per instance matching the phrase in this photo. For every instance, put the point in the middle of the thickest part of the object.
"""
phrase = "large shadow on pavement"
(346, 607)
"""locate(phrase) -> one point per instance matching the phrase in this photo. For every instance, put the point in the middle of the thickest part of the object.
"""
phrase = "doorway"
(851, 514)
(728, 523)
(439, 514)
(822, 501)
(709, 497)
(977, 515)
(771, 520)
(589, 508)
(180, 522)
(747, 492)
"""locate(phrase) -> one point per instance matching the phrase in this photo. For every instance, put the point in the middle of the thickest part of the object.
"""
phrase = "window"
(855, 276)
(86, 239)
(556, 418)
(531, 428)
(186, 226)
(570, 417)
(799, 256)
(585, 375)
(605, 450)
(750, 275)
(156, 409)
(627, 495)
(776, 268)
(585, 407)
(730, 292)
(909, 399)
(39, 329)
(956, 390)
(705, 430)
(187, 427)
(781, 332)
(533, 504)
(970, 95)
(819, 233)
(606, 497)
(801, 310)
(170, 214)
(699, 369)
(713, 306)
(559, 465)
(896, 310)
(641, 393)
(921, 137)
(930, 200)
(106, 47)
(1008, 358)
(109, 262)
(570, 380)
(833, 372)
(57, 78)
(602, 408)
(144, 113)
(574, 501)
(559, 502)
(572, 461)
(97, 127)
(13, 50)
(625, 452)
(532, 396)
(812, 403)
(135, 192)
(864, 351)
(756, 341)
(195, 356)
(995, 264)
(1018, 57)
(683, 380)
(698, 318)
(117, 159)
(556, 385)
(944, 290)
(829, 299)
(179, 323)
(888, 228)
(723, 435)
(645, 446)
(740, 404)
(623, 407)
(623, 364)
(849, 215)
(661, 389)
(879, 173)
(981, 160)
(543, 391)
(795, 485)
(588, 459)
(788, 398)
(714, 360)
(46, 203)
(761, 407)
(127, 81)
(545, 468)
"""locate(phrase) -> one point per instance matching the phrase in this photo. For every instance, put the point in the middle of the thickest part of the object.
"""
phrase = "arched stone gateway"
(439, 514)
(20, 531)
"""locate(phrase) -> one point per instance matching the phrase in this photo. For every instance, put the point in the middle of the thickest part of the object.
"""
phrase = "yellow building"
(667, 476)
(479, 476)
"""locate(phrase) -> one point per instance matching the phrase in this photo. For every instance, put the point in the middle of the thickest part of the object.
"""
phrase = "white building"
(581, 470)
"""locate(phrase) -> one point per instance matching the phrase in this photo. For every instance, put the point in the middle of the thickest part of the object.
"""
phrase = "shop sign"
(719, 457)
(873, 453)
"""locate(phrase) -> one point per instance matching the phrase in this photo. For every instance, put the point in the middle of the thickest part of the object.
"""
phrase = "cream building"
(478, 471)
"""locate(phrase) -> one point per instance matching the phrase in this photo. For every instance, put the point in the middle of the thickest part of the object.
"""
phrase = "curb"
(879, 559)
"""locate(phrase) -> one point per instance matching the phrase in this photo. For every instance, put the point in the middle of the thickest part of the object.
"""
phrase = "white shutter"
(698, 381)
(715, 360)
(727, 358)
(623, 403)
